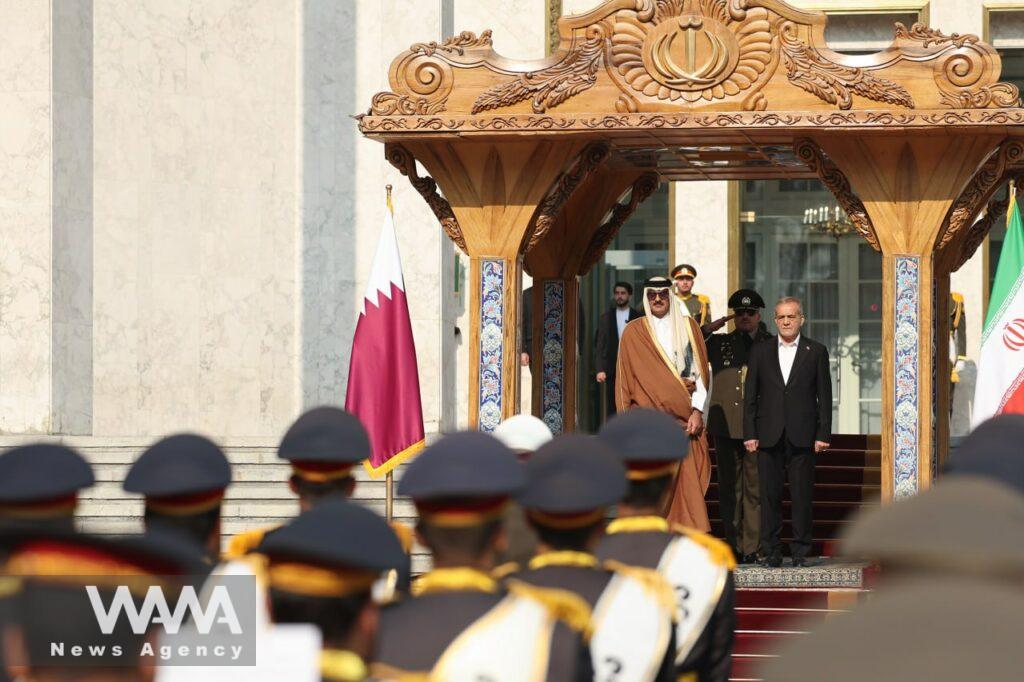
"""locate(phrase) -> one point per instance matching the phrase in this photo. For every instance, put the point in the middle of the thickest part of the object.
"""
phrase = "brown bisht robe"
(644, 379)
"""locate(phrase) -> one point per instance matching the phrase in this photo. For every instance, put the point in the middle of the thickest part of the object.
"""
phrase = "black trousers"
(773, 464)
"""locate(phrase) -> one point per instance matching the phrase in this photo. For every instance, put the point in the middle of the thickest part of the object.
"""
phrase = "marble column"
(702, 221)
(46, 195)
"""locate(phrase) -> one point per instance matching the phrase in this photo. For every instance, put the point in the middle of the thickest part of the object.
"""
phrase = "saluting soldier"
(571, 482)
(321, 569)
(323, 445)
(739, 496)
(697, 305)
(697, 566)
(461, 623)
(183, 479)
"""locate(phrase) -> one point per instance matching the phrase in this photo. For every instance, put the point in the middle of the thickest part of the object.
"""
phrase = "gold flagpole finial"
(388, 188)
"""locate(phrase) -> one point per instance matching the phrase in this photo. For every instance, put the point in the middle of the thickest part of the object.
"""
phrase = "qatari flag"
(383, 379)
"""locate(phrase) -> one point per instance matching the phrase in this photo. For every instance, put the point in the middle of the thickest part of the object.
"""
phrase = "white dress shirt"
(787, 354)
(663, 330)
(621, 318)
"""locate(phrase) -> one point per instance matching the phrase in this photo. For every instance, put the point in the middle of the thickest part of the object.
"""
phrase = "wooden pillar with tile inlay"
(908, 184)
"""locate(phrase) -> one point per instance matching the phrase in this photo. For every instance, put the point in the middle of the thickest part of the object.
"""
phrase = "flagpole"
(389, 479)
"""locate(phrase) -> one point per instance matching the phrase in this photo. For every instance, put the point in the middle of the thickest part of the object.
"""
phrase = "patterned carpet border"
(831, 574)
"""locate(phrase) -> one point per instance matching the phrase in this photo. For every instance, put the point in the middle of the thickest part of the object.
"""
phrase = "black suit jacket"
(802, 407)
(608, 340)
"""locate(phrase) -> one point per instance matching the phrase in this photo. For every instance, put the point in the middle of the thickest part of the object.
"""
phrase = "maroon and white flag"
(383, 378)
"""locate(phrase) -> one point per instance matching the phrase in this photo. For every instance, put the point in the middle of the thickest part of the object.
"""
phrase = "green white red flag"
(383, 378)
(1000, 387)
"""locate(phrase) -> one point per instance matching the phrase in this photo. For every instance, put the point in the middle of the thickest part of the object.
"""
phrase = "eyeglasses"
(655, 294)
(746, 313)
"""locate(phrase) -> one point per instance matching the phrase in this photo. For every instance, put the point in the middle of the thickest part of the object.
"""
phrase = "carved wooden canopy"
(695, 88)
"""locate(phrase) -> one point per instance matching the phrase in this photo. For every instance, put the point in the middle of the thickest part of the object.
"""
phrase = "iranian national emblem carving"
(691, 50)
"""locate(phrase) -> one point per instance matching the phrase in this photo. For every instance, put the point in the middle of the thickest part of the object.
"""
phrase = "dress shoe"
(800, 563)
(772, 561)
(749, 559)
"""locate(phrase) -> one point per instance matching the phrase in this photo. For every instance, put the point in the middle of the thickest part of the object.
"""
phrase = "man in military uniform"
(571, 483)
(697, 566)
(957, 342)
(321, 569)
(183, 479)
(323, 445)
(461, 623)
(739, 498)
(698, 306)
(52, 612)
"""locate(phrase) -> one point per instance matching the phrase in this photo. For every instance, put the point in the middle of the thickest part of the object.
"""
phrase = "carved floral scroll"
(837, 183)
(400, 157)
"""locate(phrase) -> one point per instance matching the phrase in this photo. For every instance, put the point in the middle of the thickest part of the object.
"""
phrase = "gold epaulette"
(703, 299)
(505, 570)
(652, 581)
(245, 542)
(337, 665)
(566, 606)
(404, 533)
(9, 586)
(718, 550)
(957, 296)
(383, 671)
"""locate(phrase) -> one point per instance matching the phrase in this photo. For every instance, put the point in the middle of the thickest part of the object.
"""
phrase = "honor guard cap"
(571, 480)
(463, 479)
(746, 299)
(324, 444)
(650, 443)
(42, 481)
(684, 270)
(333, 550)
(993, 450)
(959, 526)
(182, 475)
(523, 433)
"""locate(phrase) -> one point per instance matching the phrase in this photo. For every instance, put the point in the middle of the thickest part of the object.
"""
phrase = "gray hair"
(790, 299)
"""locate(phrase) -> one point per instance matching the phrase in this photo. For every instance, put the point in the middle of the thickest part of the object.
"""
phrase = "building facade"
(190, 214)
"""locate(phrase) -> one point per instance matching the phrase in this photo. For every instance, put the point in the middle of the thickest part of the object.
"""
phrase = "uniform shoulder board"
(566, 606)
(404, 534)
(653, 581)
(505, 570)
(718, 550)
(703, 299)
(245, 542)
(958, 297)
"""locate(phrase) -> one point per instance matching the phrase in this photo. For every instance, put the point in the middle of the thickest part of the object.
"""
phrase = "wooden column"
(492, 193)
(907, 184)
(580, 233)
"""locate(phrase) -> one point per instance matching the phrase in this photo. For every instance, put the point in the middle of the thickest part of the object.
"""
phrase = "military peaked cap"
(573, 474)
(746, 299)
(178, 470)
(648, 441)
(326, 434)
(993, 450)
(43, 473)
(684, 269)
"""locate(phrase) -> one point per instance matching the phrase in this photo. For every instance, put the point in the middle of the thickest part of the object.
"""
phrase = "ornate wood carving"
(919, 33)
(454, 45)
(643, 187)
(592, 156)
(549, 87)
(553, 11)
(403, 160)
(1007, 158)
(834, 83)
(837, 183)
(981, 227)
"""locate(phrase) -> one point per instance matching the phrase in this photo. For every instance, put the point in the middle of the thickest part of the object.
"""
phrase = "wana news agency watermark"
(217, 623)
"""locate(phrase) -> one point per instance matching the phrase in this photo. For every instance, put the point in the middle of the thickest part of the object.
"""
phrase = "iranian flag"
(383, 378)
(1000, 387)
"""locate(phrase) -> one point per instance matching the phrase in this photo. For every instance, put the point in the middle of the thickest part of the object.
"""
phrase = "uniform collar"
(638, 524)
(462, 579)
(564, 557)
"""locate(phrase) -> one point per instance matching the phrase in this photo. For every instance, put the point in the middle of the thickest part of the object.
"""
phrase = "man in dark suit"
(609, 329)
(787, 420)
(739, 494)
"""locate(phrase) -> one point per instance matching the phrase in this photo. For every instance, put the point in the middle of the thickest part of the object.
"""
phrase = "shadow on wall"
(327, 202)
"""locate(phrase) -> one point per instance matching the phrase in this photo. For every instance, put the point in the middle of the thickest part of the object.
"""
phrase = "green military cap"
(963, 525)
(940, 629)
(684, 270)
